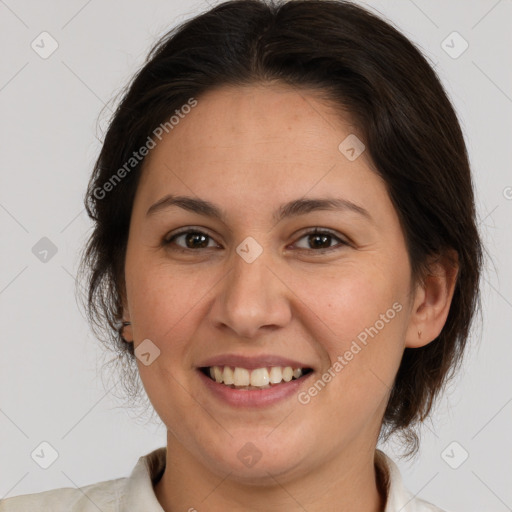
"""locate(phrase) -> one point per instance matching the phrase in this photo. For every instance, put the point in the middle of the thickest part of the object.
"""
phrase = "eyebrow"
(290, 209)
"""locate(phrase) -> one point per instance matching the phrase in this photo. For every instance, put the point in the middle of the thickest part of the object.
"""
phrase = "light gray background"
(50, 389)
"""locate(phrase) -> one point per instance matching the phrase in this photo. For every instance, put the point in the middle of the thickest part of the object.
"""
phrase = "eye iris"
(324, 244)
(193, 237)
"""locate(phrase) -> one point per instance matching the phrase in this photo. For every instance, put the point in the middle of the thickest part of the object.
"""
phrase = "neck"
(345, 483)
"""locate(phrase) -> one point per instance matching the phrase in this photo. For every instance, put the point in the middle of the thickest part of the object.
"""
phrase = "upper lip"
(251, 363)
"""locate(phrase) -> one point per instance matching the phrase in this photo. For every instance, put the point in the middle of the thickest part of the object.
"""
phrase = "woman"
(285, 250)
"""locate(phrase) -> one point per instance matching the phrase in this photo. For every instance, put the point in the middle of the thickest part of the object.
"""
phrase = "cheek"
(164, 305)
(360, 317)
(353, 299)
(361, 335)
(163, 308)
(163, 299)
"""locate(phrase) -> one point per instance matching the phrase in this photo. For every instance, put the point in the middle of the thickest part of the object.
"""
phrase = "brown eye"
(319, 241)
(191, 240)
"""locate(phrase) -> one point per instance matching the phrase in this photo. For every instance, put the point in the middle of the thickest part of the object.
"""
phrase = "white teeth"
(217, 374)
(288, 374)
(276, 375)
(259, 378)
(227, 376)
(242, 377)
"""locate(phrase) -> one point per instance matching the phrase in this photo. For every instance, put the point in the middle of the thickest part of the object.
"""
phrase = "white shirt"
(136, 494)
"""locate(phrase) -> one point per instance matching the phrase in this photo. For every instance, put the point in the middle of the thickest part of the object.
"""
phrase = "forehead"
(262, 131)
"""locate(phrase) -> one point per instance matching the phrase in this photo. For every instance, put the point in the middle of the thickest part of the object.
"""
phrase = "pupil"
(323, 244)
(192, 237)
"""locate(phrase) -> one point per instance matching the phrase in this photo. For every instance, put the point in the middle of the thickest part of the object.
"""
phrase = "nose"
(251, 299)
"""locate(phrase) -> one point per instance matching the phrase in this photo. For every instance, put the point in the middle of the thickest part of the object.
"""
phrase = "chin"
(259, 462)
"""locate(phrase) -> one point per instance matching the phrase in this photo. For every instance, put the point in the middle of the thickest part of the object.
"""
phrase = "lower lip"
(256, 397)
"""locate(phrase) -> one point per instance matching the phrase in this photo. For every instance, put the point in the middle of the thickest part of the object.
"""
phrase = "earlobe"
(433, 299)
(125, 328)
(126, 331)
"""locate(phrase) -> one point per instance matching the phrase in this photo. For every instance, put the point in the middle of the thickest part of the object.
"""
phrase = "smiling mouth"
(259, 378)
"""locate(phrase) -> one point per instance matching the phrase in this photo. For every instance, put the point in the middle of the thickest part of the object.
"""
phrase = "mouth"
(246, 379)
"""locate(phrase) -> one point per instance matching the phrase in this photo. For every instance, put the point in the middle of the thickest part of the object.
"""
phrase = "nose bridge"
(250, 297)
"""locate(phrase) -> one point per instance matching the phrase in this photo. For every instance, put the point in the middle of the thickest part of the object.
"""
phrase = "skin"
(248, 150)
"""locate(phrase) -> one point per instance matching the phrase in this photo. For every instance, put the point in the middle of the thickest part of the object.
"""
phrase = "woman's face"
(252, 284)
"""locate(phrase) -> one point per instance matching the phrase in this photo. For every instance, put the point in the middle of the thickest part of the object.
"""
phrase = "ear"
(432, 300)
(126, 330)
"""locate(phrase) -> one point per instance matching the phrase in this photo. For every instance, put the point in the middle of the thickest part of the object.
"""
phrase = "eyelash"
(316, 231)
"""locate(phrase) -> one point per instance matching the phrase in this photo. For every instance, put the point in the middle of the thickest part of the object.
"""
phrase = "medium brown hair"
(362, 66)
